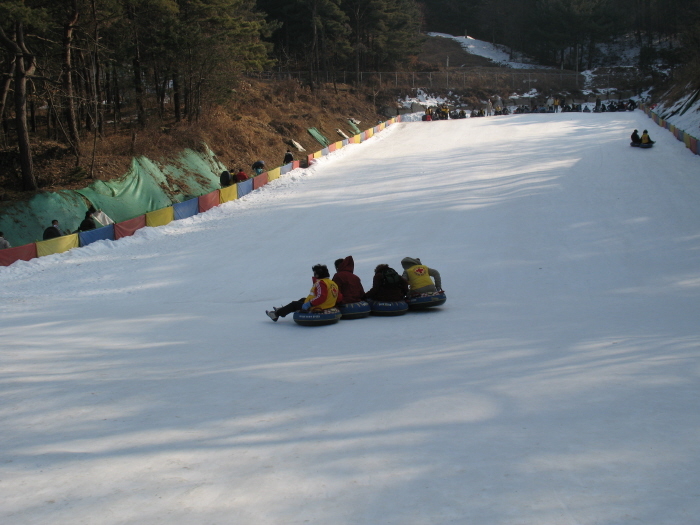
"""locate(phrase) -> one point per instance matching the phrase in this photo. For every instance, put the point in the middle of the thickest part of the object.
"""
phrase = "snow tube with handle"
(646, 146)
(356, 310)
(426, 300)
(323, 317)
(388, 307)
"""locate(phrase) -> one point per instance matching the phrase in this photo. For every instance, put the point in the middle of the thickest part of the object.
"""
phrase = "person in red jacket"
(241, 176)
(324, 294)
(350, 285)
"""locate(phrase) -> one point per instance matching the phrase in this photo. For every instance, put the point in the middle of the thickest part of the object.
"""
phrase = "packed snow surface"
(143, 384)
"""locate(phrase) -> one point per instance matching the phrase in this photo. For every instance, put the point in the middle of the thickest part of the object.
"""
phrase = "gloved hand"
(306, 306)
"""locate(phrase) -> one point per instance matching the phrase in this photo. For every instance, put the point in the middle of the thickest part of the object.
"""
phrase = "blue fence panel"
(325, 151)
(106, 233)
(182, 210)
(286, 168)
(345, 142)
(244, 188)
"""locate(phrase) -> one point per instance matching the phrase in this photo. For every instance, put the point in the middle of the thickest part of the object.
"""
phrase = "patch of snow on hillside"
(684, 113)
(486, 50)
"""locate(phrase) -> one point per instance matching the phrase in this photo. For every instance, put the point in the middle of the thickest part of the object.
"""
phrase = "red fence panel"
(128, 228)
(208, 201)
(20, 253)
(260, 181)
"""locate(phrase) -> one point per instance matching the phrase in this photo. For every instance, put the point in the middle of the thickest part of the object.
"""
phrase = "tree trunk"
(10, 73)
(24, 68)
(99, 112)
(136, 66)
(68, 90)
(22, 71)
(176, 95)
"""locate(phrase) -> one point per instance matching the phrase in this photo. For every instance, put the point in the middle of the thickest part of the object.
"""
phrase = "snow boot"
(272, 314)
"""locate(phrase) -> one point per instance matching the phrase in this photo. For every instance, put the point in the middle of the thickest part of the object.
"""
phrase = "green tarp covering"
(354, 127)
(146, 187)
(25, 222)
(323, 141)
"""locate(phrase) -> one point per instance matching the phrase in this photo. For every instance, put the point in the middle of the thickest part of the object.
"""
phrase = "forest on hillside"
(71, 69)
(569, 33)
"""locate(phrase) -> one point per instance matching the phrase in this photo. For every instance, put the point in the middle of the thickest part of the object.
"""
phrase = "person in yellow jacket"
(419, 276)
(324, 294)
(646, 139)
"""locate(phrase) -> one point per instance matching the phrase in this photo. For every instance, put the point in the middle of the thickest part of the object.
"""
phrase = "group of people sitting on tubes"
(345, 287)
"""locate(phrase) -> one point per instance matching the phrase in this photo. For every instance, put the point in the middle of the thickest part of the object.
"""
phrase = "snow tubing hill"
(426, 300)
(356, 310)
(389, 307)
(329, 316)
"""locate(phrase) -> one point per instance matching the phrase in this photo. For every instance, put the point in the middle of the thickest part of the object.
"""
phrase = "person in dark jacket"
(226, 179)
(88, 223)
(258, 167)
(636, 139)
(52, 231)
(288, 157)
(350, 285)
(383, 291)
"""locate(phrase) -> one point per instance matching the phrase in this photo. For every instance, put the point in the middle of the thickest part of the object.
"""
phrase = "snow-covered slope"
(487, 50)
(143, 384)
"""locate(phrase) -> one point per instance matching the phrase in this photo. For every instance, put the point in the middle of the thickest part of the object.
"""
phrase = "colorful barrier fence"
(690, 142)
(177, 211)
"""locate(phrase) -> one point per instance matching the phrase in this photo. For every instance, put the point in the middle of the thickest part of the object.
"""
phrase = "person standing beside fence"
(3, 242)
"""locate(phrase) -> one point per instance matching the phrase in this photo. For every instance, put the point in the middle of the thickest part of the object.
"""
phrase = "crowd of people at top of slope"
(229, 177)
(345, 287)
(551, 105)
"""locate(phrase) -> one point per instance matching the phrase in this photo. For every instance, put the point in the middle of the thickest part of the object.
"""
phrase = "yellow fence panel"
(57, 245)
(338, 145)
(273, 174)
(160, 217)
(318, 154)
(229, 193)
